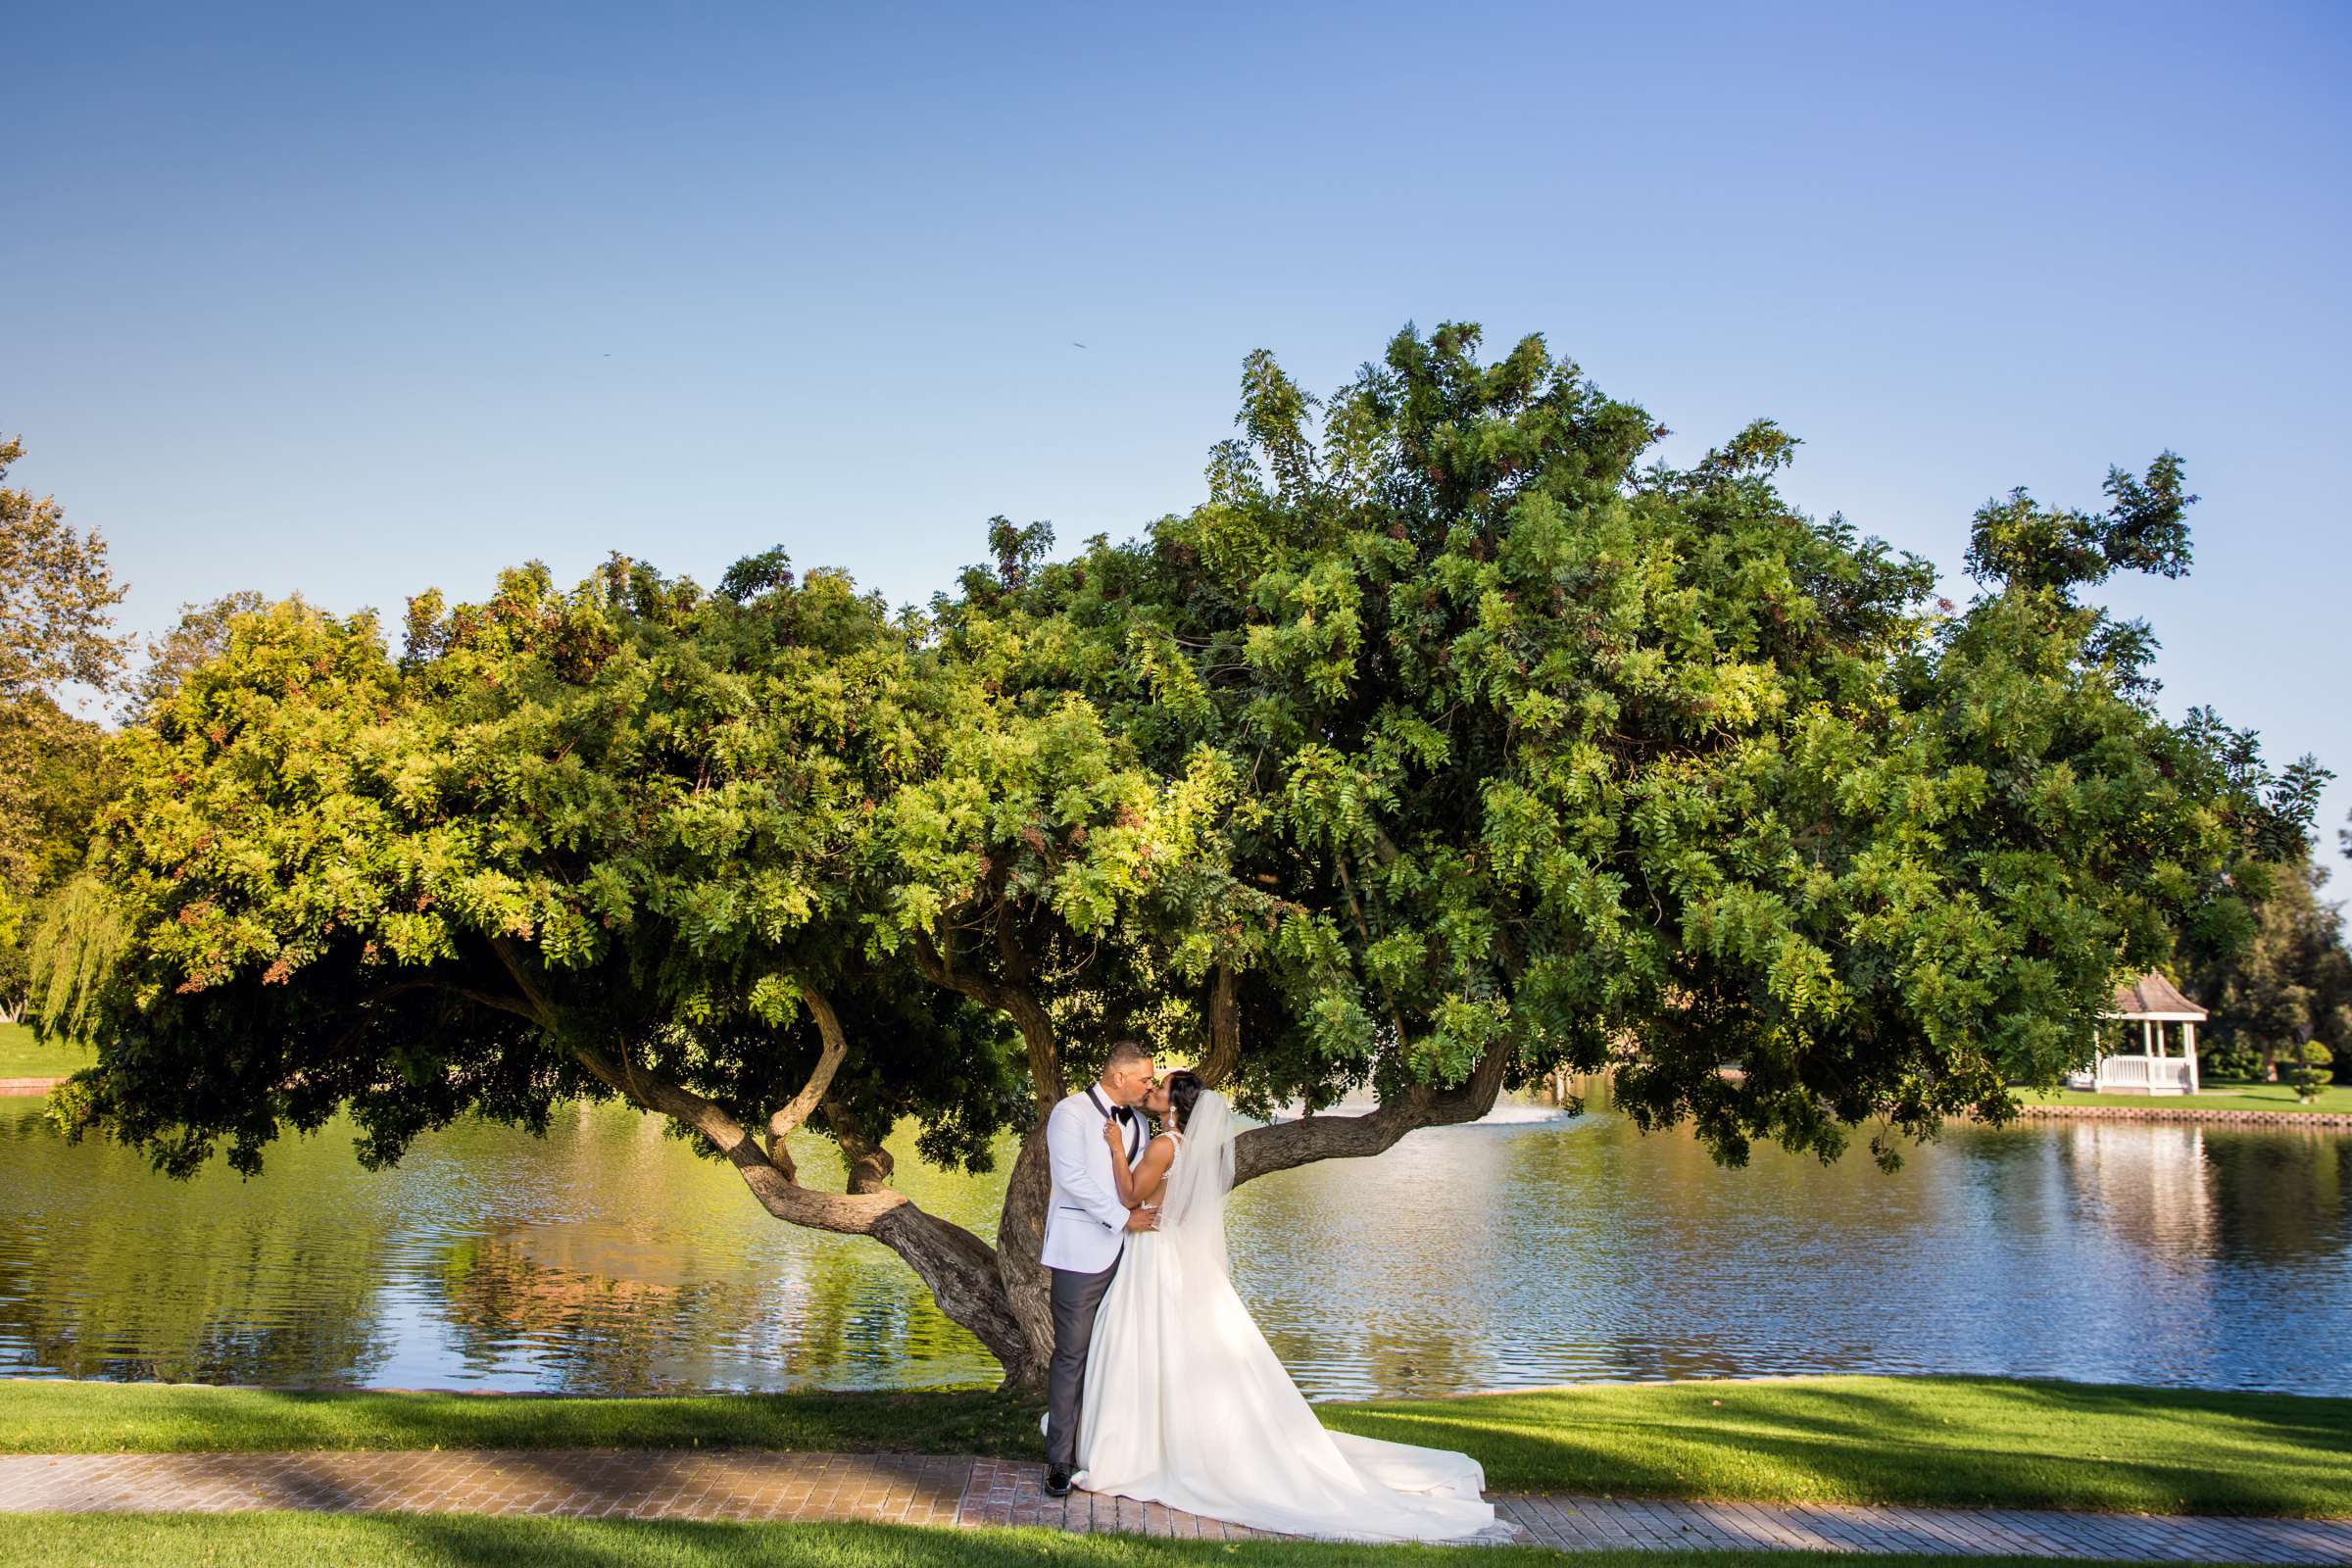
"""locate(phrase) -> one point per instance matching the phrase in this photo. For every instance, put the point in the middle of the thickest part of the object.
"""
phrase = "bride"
(1183, 1402)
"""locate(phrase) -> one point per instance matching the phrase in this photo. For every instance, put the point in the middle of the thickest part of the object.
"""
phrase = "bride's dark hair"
(1183, 1089)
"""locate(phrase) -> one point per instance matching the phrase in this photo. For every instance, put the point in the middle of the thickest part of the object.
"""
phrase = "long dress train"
(1186, 1404)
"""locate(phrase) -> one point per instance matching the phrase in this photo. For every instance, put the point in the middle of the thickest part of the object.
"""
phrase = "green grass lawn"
(61, 1416)
(2022, 1442)
(21, 1058)
(458, 1540)
(2223, 1096)
(1842, 1439)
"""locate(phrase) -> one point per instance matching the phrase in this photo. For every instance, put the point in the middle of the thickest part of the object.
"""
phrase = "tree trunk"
(999, 1294)
(1020, 1237)
(963, 1273)
(1022, 1223)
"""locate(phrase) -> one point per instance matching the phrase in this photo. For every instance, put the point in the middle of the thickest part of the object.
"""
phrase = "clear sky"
(351, 305)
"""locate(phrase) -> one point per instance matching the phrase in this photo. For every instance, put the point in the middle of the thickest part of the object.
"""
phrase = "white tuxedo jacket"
(1085, 1224)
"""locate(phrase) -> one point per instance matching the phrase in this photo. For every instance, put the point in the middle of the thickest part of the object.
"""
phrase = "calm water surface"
(607, 1258)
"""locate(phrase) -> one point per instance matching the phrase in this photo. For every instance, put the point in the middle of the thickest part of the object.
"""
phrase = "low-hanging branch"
(1304, 1140)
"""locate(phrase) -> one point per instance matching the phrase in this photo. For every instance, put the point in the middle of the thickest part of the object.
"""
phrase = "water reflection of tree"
(587, 1330)
(2280, 1194)
(581, 1332)
(112, 1271)
(599, 1298)
(2272, 1195)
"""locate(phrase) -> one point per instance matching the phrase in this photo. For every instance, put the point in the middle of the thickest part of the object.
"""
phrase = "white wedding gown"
(1186, 1404)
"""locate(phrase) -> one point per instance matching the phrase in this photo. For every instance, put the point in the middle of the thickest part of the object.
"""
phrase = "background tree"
(200, 634)
(57, 597)
(2291, 988)
(1427, 755)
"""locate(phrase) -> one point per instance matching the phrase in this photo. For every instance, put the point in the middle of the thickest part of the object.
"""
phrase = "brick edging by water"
(28, 1086)
(2243, 1118)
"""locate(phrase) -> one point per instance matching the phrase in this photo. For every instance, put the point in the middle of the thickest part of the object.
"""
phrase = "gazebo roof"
(2153, 996)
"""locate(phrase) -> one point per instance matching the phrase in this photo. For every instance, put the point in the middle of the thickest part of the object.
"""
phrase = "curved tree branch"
(1263, 1150)
(871, 1164)
(542, 1007)
(1014, 1001)
(959, 1268)
(793, 1112)
(852, 1213)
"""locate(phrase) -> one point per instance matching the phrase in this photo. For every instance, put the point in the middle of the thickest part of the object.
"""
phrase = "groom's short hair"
(1126, 1054)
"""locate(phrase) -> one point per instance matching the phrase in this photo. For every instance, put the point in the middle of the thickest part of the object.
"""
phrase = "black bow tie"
(1122, 1112)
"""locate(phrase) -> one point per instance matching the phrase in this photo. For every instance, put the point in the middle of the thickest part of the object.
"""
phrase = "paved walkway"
(920, 1490)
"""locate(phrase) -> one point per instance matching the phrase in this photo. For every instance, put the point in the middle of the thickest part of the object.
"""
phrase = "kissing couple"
(1163, 1386)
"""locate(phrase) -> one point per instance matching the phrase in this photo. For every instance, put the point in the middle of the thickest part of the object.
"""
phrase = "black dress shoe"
(1057, 1482)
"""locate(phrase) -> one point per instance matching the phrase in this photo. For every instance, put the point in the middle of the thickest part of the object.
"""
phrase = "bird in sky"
(1074, 343)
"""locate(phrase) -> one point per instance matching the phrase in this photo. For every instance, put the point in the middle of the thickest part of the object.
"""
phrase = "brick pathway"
(904, 1489)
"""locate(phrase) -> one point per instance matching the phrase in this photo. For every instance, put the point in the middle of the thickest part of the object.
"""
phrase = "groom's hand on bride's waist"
(1143, 1219)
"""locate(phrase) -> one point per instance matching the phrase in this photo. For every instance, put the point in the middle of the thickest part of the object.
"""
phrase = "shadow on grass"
(1951, 1440)
(2025, 1442)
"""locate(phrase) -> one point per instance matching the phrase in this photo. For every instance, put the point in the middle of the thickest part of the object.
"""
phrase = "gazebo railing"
(2144, 1072)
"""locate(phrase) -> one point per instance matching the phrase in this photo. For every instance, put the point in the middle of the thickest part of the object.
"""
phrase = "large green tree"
(1443, 744)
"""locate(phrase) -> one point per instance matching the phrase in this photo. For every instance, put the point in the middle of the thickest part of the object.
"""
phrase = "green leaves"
(2024, 545)
(1443, 735)
(1585, 764)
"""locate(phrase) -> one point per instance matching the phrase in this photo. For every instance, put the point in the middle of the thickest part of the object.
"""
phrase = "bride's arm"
(1152, 1172)
(1119, 1173)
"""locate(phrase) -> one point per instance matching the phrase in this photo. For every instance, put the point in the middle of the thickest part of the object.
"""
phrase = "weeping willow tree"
(57, 595)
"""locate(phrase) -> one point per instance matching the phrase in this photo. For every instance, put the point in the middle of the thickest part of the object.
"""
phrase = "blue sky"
(350, 306)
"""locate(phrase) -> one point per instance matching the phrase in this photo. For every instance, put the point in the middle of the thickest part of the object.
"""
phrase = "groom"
(1086, 1231)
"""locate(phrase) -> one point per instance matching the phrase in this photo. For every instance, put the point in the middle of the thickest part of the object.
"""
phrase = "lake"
(1528, 1250)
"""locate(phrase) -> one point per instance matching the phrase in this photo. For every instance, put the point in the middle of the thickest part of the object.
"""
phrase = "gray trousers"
(1076, 1295)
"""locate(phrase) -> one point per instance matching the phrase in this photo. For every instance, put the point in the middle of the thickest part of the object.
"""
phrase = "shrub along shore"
(1929, 1439)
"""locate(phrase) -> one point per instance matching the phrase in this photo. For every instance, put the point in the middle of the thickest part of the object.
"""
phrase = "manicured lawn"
(60, 1416)
(457, 1541)
(21, 1058)
(1844, 1439)
(2226, 1095)
(2023, 1442)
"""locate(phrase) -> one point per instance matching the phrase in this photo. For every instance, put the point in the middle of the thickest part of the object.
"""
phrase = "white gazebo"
(2151, 1002)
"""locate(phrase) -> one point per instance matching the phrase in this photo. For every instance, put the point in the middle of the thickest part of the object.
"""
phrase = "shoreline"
(2163, 1112)
(2335, 1119)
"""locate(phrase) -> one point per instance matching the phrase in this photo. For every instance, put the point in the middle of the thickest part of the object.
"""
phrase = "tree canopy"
(1443, 745)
